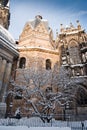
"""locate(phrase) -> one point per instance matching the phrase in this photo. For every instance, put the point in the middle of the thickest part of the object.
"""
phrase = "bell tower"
(4, 13)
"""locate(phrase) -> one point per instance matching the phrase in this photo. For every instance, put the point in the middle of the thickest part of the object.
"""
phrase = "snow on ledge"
(6, 34)
(32, 128)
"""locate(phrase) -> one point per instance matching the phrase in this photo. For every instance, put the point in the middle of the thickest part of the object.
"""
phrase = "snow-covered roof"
(6, 35)
(35, 22)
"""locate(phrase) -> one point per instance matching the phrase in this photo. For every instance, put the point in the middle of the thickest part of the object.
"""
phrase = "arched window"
(74, 53)
(82, 97)
(48, 64)
(22, 62)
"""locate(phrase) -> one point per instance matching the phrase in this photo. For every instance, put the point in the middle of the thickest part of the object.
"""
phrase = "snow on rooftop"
(4, 33)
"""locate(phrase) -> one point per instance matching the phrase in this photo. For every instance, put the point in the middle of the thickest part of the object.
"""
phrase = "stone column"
(18, 62)
(6, 81)
(73, 72)
(2, 72)
(82, 73)
(0, 63)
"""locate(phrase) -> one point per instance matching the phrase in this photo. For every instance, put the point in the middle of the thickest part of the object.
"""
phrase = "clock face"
(4, 2)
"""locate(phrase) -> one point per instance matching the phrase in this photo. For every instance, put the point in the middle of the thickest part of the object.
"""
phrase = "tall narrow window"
(22, 62)
(82, 97)
(74, 53)
(48, 64)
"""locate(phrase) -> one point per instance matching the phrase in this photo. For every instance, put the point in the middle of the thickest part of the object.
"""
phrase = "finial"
(71, 25)
(56, 31)
(78, 24)
(61, 27)
(61, 24)
(39, 16)
(77, 21)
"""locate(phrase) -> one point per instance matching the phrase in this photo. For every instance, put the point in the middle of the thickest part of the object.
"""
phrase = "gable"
(26, 31)
(42, 28)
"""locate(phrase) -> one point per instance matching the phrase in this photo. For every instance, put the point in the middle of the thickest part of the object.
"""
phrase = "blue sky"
(55, 11)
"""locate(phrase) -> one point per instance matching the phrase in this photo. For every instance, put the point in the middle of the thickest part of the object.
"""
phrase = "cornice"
(21, 49)
(8, 46)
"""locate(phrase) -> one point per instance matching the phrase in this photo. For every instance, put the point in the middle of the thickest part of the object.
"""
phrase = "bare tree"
(39, 91)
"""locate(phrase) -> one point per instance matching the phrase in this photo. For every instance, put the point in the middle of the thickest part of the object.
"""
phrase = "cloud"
(21, 13)
(80, 13)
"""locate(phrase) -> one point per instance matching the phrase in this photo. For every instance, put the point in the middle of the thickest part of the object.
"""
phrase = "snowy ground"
(32, 128)
(38, 124)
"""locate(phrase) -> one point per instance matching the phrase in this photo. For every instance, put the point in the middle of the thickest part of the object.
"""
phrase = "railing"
(75, 122)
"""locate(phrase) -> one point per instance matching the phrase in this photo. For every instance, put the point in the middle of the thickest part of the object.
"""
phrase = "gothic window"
(22, 62)
(81, 97)
(74, 53)
(48, 64)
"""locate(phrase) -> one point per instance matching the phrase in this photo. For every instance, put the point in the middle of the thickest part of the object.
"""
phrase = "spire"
(61, 28)
(78, 24)
(39, 16)
(71, 25)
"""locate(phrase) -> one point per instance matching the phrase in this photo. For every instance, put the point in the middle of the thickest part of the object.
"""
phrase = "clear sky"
(55, 11)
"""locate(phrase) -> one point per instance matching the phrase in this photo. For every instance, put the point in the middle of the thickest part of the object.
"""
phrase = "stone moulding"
(38, 49)
(5, 44)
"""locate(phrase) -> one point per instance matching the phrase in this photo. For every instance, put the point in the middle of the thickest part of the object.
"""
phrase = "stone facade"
(39, 55)
(8, 54)
(73, 43)
(68, 51)
(36, 43)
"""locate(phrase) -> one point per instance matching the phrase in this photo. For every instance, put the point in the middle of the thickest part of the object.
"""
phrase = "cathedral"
(40, 75)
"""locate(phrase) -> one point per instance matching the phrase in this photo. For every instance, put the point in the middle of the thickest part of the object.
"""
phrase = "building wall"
(68, 51)
(73, 44)
(7, 54)
(36, 46)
